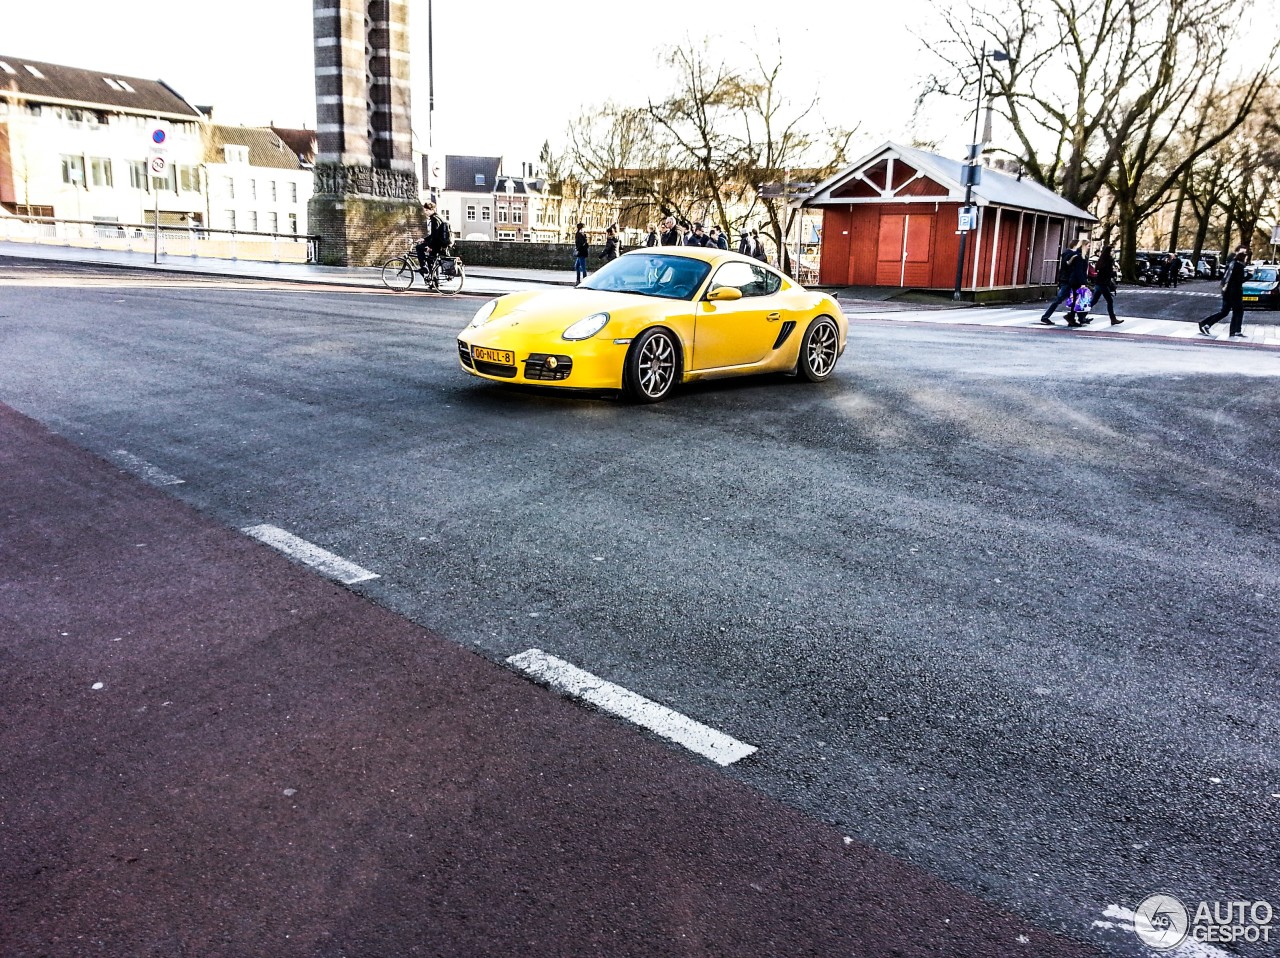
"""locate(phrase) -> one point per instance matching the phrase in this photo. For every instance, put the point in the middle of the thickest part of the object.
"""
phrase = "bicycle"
(444, 274)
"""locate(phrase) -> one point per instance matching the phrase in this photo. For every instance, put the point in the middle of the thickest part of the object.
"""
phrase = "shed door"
(903, 255)
(889, 250)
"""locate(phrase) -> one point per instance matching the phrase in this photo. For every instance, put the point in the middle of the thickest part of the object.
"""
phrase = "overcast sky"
(508, 75)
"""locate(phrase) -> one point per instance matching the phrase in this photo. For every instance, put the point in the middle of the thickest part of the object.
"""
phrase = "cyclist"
(437, 240)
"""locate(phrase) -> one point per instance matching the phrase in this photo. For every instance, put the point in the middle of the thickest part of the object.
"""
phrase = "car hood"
(553, 311)
(1257, 286)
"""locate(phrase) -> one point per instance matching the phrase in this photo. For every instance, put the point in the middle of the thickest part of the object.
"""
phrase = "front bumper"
(594, 363)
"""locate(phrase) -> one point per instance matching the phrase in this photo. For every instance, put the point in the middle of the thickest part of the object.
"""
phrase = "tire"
(819, 350)
(453, 284)
(652, 367)
(398, 274)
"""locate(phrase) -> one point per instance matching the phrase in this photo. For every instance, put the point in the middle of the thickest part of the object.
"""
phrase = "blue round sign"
(157, 136)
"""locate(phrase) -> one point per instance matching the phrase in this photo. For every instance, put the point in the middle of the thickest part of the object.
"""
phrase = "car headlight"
(483, 313)
(586, 328)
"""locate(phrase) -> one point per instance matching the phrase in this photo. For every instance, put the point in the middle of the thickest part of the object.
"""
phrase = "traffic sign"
(158, 134)
(1275, 235)
(968, 219)
(157, 164)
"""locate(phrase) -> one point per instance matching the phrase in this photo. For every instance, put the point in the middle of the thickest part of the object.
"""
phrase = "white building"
(74, 145)
(255, 182)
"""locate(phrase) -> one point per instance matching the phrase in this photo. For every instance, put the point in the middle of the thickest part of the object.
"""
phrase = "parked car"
(1209, 267)
(1262, 289)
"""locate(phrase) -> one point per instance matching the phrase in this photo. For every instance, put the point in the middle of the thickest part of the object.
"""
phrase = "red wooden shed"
(891, 220)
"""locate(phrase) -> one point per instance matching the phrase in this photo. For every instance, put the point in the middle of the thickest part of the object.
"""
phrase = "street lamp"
(971, 168)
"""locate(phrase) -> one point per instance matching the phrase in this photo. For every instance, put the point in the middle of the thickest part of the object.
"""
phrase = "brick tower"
(366, 192)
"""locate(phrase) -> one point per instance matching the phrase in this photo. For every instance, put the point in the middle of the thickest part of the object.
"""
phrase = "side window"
(770, 282)
(747, 278)
(740, 276)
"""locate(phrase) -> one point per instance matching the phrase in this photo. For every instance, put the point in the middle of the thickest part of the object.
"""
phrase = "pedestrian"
(757, 247)
(612, 245)
(718, 239)
(698, 237)
(745, 246)
(671, 235)
(1175, 269)
(652, 238)
(1232, 295)
(1104, 282)
(1073, 272)
(581, 250)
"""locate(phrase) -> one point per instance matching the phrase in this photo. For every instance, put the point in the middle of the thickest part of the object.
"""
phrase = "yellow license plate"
(1251, 299)
(503, 357)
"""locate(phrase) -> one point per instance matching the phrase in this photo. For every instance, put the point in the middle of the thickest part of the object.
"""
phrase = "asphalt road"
(999, 604)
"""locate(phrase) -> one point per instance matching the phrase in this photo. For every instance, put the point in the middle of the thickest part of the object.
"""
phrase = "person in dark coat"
(1232, 295)
(612, 245)
(671, 234)
(698, 237)
(718, 238)
(1072, 274)
(652, 238)
(1175, 269)
(1104, 283)
(581, 250)
(758, 251)
(745, 246)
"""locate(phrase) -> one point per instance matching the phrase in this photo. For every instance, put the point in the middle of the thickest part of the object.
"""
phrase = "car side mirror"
(724, 294)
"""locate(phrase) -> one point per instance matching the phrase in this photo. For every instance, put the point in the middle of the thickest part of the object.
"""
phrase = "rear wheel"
(652, 366)
(819, 350)
(398, 273)
(452, 283)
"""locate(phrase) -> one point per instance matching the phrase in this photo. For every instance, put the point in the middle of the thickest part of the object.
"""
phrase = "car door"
(742, 331)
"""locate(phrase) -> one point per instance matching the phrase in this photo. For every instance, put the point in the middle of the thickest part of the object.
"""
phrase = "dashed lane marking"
(323, 561)
(571, 680)
(144, 469)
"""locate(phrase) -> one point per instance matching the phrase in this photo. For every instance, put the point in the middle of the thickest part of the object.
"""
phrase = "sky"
(508, 75)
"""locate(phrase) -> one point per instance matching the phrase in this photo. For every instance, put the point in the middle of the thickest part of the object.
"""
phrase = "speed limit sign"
(158, 164)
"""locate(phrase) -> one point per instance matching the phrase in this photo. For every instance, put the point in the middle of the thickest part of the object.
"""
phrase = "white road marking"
(323, 561)
(571, 680)
(144, 469)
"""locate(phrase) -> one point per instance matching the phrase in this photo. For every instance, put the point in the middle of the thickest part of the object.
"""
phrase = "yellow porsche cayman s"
(653, 319)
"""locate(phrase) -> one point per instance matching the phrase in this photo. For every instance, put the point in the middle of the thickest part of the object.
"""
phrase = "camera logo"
(1161, 922)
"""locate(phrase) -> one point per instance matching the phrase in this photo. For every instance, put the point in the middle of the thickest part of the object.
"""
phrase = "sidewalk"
(209, 750)
(1028, 317)
(481, 280)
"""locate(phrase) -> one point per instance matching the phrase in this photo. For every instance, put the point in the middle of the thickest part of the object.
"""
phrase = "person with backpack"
(438, 238)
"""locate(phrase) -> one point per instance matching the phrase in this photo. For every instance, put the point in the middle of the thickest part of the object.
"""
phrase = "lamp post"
(970, 168)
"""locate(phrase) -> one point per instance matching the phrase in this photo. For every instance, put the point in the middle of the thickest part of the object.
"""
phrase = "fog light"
(552, 362)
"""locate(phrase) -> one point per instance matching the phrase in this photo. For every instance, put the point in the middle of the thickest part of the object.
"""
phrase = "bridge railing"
(174, 240)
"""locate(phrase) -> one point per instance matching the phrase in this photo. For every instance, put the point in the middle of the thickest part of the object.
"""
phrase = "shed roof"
(996, 188)
(40, 82)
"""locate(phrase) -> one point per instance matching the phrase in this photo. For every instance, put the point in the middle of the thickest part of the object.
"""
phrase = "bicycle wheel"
(453, 283)
(398, 273)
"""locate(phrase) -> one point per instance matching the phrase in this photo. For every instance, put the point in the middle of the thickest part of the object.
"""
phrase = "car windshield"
(1264, 275)
(655, 274)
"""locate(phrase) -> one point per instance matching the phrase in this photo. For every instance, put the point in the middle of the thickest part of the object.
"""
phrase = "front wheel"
(652, 366)
(452, 283)
(398, 273)
(819, 350)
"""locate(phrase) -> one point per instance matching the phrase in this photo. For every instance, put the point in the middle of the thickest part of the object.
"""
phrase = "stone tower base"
(363, 230)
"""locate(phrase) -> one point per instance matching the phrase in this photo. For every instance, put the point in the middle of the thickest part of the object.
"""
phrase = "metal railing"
(174, 239)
